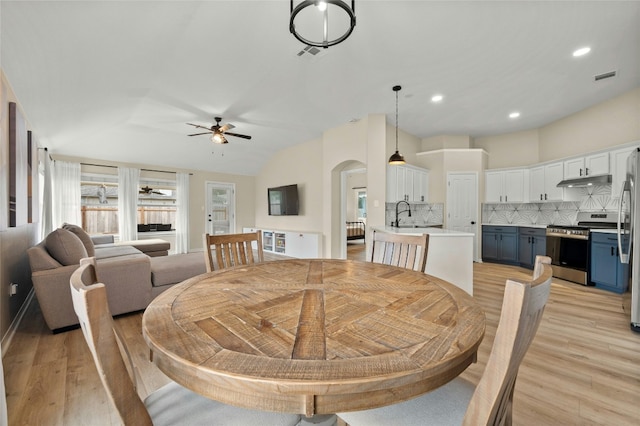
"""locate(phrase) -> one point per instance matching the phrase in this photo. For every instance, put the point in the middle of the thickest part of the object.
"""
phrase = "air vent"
(605, 75)
(312, 52)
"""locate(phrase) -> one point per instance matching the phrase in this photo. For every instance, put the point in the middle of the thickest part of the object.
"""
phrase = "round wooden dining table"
(315, 336)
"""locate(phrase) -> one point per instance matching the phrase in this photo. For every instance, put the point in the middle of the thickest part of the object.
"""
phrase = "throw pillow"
(84, 237)
(65, 247)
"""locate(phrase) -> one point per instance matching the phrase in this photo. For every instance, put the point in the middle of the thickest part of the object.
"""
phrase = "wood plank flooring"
(582, 369)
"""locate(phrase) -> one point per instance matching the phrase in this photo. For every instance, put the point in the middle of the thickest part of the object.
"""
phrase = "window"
(362, 205)
(156, 204)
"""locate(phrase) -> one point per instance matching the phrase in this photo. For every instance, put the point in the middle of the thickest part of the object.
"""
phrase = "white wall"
(299, 164)
(611, 123)
(511, 149)
(446, 142)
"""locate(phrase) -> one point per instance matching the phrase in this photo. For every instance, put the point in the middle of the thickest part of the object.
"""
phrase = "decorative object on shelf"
(396, 158)
(316, 23)
(218, 132)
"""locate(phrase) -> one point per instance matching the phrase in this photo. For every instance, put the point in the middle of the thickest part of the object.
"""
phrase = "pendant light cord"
(396, 120)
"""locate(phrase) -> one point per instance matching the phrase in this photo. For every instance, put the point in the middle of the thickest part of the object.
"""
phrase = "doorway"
(462, 205)
(354, 209)
(220, 208)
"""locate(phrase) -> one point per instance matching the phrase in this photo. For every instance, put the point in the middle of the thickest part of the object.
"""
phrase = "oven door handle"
(570, 236)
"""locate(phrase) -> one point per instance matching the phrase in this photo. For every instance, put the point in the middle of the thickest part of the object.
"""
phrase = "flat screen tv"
(283, 200)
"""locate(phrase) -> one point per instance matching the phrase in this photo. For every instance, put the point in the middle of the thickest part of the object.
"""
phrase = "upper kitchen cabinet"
(543, 181)
(506, 186)
(618, 159)
(591, 165)
(407, 183)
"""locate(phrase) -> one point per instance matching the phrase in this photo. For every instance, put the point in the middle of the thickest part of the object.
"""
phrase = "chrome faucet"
(397, 222)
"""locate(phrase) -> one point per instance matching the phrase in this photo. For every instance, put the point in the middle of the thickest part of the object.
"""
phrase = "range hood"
(585, 181)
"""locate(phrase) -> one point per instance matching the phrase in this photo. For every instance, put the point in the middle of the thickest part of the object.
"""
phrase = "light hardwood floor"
(582, 369)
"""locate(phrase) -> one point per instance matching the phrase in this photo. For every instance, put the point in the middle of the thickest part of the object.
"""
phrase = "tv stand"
(303, 245)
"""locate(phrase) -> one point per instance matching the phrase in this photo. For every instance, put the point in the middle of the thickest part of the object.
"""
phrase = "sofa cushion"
(84, 237)
(105, 251)
(65, 247)
(148, 246)
(176, 268)
(102, 239)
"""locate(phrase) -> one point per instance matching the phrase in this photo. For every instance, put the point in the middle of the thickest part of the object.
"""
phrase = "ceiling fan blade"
(227, 127)
(238, 135)
(198, 134)
(198, 126)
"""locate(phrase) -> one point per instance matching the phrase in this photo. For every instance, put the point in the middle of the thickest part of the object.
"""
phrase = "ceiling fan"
(218, 132)
(149, 190)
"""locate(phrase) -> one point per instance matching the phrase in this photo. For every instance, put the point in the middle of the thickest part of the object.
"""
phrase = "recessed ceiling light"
(582, 51)
(514, 114)
(437, 98)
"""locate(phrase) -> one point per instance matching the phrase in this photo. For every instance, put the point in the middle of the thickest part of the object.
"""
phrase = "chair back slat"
(91, 306)
(406, 251)
(522, 309)
(232, 250)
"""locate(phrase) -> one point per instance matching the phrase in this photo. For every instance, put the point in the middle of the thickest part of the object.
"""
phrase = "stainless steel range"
(568, 246)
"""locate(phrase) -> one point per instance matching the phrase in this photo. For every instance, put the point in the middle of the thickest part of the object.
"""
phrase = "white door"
(221, 213)
(462, 205)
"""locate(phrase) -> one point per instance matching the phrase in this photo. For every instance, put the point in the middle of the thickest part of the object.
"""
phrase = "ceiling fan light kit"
(218, 132)
(311, 20)
(396, 158)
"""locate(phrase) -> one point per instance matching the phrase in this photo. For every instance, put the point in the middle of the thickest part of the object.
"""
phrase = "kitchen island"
(450, 255)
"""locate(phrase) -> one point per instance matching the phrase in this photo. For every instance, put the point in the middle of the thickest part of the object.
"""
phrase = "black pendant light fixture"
(315, 23)
(396, 158)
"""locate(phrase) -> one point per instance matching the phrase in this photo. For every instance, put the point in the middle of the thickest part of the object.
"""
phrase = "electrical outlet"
(13, 289)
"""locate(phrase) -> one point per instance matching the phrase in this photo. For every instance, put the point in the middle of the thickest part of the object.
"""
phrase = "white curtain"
(182, 219)
(128, 181)
(46, 222)
(66, 194)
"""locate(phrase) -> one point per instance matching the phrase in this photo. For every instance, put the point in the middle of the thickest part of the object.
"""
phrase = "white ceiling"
(119, 80)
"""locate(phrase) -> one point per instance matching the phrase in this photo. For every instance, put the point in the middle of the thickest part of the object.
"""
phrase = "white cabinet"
(506, 186)
(543, 181)
(618, 159)
(408, 183)
(420, 185)
(304, 245)
(591, 165)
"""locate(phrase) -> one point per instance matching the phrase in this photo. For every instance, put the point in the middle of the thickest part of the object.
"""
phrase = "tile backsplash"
(421, 213)
(597, 198)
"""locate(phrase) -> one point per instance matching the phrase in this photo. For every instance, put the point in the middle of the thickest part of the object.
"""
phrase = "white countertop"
(433, 232)
(605, 231)
(533, 225)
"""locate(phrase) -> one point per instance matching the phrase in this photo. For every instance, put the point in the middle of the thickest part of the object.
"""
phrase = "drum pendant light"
(396, 158)
(322, 23)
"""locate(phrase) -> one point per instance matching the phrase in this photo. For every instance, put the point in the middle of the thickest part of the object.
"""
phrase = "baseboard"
(8, 337)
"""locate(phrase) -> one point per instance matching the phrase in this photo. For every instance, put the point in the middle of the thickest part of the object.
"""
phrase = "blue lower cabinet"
(531, 242)
(500, 244)
(607, 272)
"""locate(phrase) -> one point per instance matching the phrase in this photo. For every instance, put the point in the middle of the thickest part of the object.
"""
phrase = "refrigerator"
(629, 231)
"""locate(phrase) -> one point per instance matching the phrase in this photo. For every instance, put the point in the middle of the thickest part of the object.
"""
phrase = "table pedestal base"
(319, 420)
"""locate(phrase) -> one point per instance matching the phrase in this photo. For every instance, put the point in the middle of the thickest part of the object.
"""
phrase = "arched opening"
(349, 185)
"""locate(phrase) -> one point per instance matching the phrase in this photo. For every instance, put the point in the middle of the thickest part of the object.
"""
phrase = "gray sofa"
(131, 277)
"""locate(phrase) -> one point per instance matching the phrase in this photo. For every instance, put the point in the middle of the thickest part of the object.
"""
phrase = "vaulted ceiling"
(118, 80)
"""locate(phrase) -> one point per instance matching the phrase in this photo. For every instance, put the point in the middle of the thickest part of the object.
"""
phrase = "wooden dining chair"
(232, 250)
(489, 403)
(172, 404)
(406, 251)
